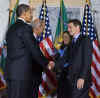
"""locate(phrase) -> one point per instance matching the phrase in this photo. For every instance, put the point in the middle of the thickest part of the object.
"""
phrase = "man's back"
(19, 58)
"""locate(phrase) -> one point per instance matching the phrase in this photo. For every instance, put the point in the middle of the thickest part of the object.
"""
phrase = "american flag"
(46, 46)
(46, 40)
(89, 29)
(2, 64)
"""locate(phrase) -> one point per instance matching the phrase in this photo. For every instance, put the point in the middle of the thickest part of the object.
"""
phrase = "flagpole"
(61, 20)
(44, 1)
(30, 2)
(86, 24)
(87, 1)
(13, 11)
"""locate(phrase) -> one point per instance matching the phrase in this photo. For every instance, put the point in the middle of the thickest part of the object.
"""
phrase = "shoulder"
(86, 39)
(20, 28)
(24, 27)
(87, 42)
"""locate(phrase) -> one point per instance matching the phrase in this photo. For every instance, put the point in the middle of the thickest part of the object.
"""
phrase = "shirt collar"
(24, 20)
(76, 36)
(35, 35)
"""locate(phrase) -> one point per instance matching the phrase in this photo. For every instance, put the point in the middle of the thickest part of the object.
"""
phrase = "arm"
(87, 58)
(33, 47)
(62, 60)
(86, 64)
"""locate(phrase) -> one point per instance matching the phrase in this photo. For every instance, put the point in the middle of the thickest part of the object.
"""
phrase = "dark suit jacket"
(25, 61)
(80, 59)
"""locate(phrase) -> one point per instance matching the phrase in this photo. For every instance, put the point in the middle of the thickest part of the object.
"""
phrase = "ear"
(24, 13)
(78, 27)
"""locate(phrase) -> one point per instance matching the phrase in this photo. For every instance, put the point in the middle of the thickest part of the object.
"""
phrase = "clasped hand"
(51, 65)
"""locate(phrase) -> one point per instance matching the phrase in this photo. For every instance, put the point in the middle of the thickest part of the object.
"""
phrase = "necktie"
(73, 41)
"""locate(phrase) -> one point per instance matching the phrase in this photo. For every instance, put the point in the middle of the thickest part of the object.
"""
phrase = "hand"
(80, 83)
(51, 65)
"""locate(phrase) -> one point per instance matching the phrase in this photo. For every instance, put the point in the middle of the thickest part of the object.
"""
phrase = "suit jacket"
(24, 61)
(62, 58)
(80, 59)
(62, 63)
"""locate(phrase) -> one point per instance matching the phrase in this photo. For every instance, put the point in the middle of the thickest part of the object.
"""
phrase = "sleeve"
(86, 58)
(62, 61)
(61, 52)
(33, 47)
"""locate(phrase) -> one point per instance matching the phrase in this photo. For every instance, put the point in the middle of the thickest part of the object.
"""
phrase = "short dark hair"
(66, 32)
(76, 22)
(22, 8)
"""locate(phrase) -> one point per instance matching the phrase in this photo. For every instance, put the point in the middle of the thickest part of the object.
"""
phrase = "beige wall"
(4, 17)
(69, 3)
(51, 3)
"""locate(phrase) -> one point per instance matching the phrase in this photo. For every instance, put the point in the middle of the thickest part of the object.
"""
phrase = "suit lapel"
(19, 21)
(75, 46)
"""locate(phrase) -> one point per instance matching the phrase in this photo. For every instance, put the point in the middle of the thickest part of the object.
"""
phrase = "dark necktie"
(73, 40)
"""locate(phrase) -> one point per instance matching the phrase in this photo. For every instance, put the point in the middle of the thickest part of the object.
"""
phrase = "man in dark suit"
(25, 61)
(80, 61)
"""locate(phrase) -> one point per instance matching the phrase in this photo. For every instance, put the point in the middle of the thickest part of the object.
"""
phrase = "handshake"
(58, 70)
(51, 65)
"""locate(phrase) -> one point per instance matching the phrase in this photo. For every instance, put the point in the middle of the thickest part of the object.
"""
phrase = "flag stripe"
(45, 86)
(97, 63)
(97, 44)
(51, 78)
(95, 91)
(96, 55)
(95, 67)
(39, 93)
(92, 93)
(41, 90)
(96, 47)
(2, 58)
(50, 84)
(43, 49)
(50, 44)
(47, 46)
(96, 82)
(95, 75)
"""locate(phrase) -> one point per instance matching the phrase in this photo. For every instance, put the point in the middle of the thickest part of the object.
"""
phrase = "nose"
(68, 29)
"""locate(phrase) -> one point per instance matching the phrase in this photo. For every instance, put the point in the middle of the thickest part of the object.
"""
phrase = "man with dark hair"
(22, 8)
(80, 61)
(76, 23)
(25, 61)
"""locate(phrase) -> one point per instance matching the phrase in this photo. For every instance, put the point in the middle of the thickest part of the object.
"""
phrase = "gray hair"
(36, 23)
